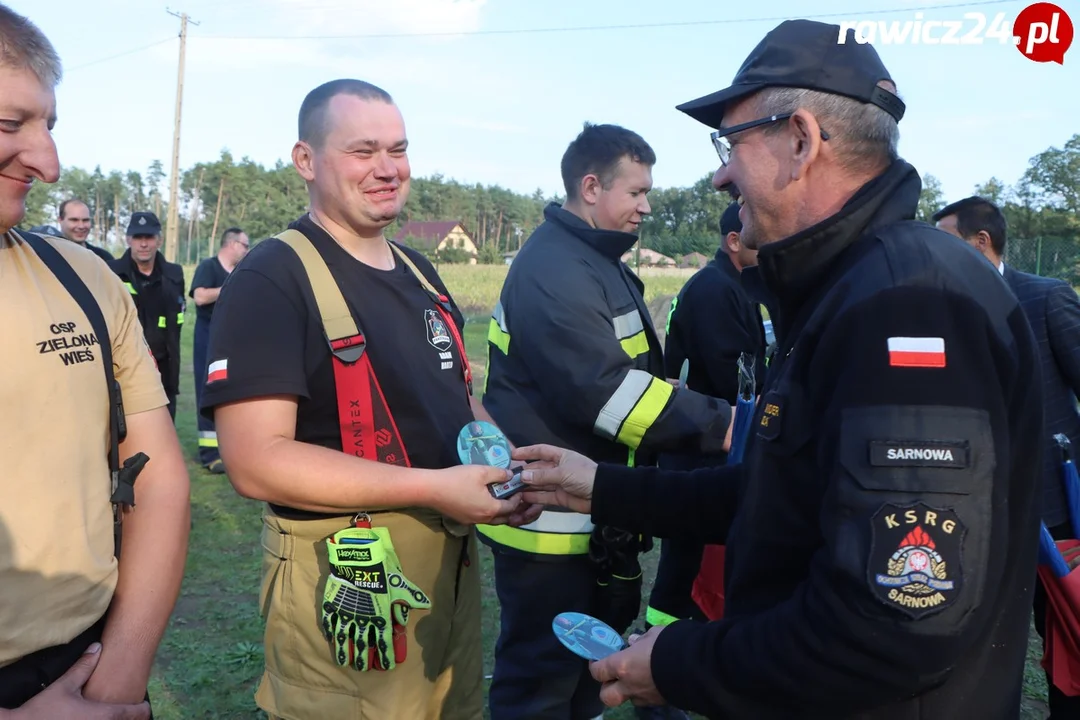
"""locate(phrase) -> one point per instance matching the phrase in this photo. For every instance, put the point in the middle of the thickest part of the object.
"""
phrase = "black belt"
(28, 676)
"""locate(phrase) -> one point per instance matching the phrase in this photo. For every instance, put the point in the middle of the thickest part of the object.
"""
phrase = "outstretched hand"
(557, 477)
(627, 675)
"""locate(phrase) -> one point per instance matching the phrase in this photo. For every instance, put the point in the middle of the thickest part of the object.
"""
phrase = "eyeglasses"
(723, 148)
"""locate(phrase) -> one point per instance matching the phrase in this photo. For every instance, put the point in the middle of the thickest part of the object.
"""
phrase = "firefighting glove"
(366, 600)
(616, 598)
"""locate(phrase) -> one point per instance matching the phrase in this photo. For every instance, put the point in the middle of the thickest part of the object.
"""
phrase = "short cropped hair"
(312, 122)
(23, 46)
(229, 235)
(597, 151)
(70, 201)
(977, 213)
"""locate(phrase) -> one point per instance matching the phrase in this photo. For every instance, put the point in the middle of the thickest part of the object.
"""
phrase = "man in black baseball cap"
(882, 528)
(157, 287)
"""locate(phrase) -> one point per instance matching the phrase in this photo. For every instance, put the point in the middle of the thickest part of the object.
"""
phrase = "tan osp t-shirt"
(57, 570)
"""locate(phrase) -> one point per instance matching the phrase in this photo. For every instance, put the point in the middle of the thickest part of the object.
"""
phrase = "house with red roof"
(438, 236)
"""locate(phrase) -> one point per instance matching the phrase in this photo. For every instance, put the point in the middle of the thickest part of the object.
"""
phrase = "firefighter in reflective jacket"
(574, 359)
(157, 287)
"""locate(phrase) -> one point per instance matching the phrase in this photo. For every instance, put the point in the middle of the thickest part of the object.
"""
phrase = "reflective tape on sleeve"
(628, 324)
(498, 335)
(553, 533)
(633, 408)
(630, 331)
(670, 312)
(636, 345)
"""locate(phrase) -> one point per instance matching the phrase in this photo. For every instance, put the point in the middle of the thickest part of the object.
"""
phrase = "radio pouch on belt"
(366, 597)
(123, 478)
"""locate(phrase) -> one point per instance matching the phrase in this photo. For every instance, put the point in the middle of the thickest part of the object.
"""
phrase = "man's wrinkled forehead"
(739, 111)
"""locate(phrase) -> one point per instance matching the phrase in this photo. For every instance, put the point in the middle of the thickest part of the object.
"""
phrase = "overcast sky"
(499, 108)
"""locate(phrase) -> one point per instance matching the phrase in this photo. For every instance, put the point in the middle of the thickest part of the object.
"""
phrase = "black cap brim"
(709, 110)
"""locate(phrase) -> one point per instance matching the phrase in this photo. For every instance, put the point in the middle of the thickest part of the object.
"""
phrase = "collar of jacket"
(612, 244)
(128, 263)
(794, 267)
(723, 261)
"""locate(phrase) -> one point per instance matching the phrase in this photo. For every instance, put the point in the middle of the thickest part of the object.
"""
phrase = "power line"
(640, 26)
(120, 54)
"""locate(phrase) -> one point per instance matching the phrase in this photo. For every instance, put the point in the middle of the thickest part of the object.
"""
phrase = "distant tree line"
(1042, 208)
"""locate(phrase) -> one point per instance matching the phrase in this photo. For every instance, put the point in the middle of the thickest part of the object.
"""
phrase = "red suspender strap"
(367, 426)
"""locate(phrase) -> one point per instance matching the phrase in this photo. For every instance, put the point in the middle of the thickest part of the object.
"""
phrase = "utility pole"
(172, 224)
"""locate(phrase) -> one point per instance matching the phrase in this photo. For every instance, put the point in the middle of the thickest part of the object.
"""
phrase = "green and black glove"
(367, 599)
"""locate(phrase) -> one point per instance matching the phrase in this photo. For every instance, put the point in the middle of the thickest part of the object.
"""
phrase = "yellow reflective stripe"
(670, 312)
(630, 331)
(131, 288)
(644, 414)
(636, 345)
(633, 408)
(621, 403)
(162, 321)
(208, 439)
(539, 543)
(498, 337)
(658, 617)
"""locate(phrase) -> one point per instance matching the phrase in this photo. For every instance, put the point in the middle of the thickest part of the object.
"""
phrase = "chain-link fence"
(1056, 257)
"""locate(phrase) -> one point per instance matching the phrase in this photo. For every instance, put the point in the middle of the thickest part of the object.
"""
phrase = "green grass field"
(211, 656)
(476, 287)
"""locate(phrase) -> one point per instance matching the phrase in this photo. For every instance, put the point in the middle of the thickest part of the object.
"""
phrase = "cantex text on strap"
(367, 426)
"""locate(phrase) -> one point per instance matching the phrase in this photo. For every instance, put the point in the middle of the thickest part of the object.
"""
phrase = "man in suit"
(1053, 311)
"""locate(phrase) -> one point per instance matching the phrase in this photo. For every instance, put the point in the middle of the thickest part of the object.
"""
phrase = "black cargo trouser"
(535, 676)
(26, 677)
(208, 445)
(680, 563)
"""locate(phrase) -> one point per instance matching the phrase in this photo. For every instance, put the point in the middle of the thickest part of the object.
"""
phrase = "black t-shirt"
(209, 274)
(268, 330)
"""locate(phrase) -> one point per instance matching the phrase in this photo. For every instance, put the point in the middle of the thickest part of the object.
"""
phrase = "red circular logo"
(1043, 32)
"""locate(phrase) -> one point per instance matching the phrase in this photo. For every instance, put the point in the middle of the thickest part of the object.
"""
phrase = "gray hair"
(864, 136)
(25, 47)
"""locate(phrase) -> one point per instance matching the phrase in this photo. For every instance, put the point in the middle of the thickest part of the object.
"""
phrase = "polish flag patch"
(218, 370)
(917, 352)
